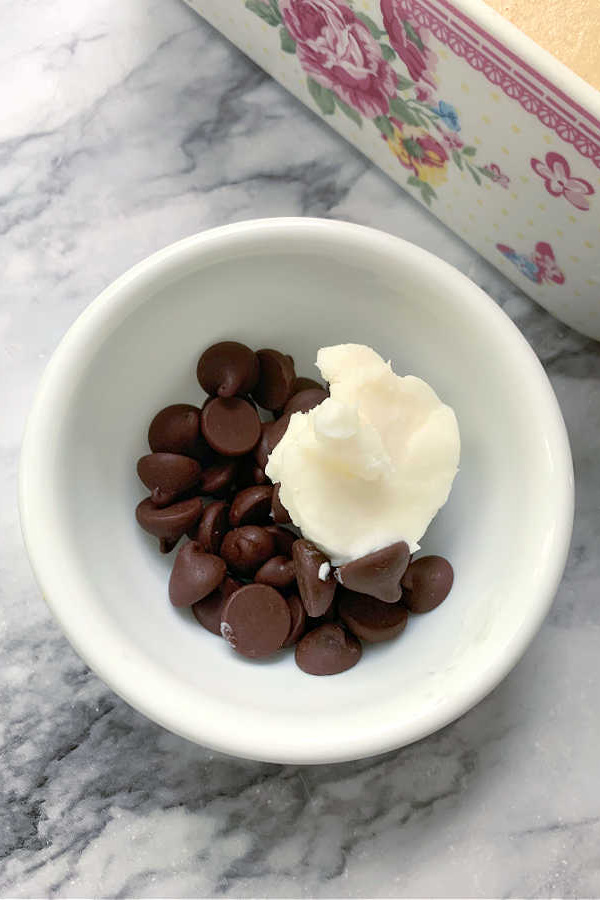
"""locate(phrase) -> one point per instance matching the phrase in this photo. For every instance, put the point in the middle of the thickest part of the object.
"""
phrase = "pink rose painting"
(409, 42)
(558, 181)
(340, 53)
(358, 66)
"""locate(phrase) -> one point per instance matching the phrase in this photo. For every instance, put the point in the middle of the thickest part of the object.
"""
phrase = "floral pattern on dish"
(340, 53)
(540, 266)
(558, 181)
(386, 76)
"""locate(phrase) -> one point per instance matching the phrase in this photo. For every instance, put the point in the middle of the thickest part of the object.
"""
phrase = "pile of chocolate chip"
(245, 572)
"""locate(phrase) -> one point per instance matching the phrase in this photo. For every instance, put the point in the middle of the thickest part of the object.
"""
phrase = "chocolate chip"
(278, 572)
(256, 620)
(276, 379)
(316, 593)
(171, 522)
(330, 615)
(284, 539)
(219, 476)
(278, 510)
(306, 384)
(168, 475)
(377, 574)
(262, 449)
(271, 434)
(230, 425)
(298, 615)
(228, 368)
(250, 473)
(304, 401)
(195, 575)
(208, 611)
(214, 524)
(252, 506)
(328, 650)
(427, 582)
(303, 384)
(245, 549)
(370, 619)
(176, 429)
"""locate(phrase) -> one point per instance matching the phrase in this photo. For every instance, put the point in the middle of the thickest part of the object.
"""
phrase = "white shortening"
(372, 464)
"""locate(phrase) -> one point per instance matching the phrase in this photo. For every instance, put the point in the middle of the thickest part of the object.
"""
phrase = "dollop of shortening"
(372, 464)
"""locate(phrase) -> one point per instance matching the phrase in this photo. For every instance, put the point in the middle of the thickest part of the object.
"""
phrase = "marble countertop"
(126, 126)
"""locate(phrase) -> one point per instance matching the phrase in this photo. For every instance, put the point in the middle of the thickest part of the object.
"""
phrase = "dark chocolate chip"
(263, 448)
(370, 619)
(230, 425)
(315, 593)
(330, 615)
(327, 650)
(256, 620)
(208, 611)
(169, 523)
(427, 582)
(377, 574)
(278, 510)
(250, 473)
(276, 379)
(252, 506)
(168, 475)
(228, 368)
(284, 539)
(271, 434)
(213, 526)
(304, 401)
(303, 384)
(307, 384)
(195, 575)
(278, 572)
(176, 429)
(165, 545)
(298, 625)
(219, 476)
(245, 549)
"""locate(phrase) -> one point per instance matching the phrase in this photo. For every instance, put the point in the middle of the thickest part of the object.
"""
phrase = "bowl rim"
(113, 669)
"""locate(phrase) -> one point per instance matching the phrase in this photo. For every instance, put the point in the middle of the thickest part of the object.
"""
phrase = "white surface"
(135, 351)
(134, 125)
(373, 463)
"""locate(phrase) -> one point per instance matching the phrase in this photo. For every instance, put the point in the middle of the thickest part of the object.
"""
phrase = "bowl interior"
(295, 286)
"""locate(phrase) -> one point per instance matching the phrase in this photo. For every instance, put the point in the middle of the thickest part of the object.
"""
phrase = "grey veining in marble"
(125, 126)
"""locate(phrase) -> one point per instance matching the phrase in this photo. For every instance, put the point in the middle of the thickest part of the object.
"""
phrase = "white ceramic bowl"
(297, 284)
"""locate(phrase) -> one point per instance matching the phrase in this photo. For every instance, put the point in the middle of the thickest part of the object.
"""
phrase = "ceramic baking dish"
(494, 135)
